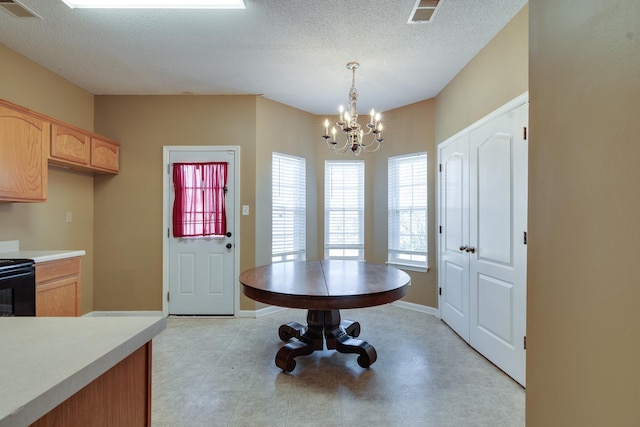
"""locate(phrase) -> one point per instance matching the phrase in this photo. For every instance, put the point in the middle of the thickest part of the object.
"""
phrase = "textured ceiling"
(290, 51)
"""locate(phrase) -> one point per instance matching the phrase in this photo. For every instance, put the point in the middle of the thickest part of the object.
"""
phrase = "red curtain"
(198, 207)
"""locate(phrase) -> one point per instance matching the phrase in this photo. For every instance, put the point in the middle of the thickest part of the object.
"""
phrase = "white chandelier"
(356, 138)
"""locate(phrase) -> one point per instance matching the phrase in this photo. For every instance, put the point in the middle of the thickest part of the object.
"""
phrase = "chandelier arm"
(375, 144)
(334, 146)
(343, 149)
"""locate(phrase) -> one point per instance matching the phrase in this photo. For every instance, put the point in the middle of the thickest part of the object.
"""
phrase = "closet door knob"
(229, 245)
(471, 249)
(464, 248)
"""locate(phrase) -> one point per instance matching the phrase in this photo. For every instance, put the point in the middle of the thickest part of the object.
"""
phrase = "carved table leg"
(339, 335)
(307, 340)
(291, 330)
(351, 327)
(341, 338)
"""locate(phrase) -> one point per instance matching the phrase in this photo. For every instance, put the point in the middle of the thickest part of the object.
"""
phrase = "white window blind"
(288, 223)
(344, 209)
(408, 210)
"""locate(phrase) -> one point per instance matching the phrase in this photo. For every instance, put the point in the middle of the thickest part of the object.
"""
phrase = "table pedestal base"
(322, 326)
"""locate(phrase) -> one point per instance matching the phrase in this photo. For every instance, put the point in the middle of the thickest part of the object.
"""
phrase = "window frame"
(297, 209)
(357, 249)
(404, 257)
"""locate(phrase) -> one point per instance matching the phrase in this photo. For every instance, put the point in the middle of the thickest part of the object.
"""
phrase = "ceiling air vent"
(17, 10)
(424, 11)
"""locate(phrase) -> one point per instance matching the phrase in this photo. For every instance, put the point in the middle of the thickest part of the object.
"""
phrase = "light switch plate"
(245, 209)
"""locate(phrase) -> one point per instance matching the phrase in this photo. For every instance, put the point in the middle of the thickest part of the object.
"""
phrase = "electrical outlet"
(68, 217)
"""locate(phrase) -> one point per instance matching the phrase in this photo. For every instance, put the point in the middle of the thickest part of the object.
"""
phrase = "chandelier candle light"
(348, 122)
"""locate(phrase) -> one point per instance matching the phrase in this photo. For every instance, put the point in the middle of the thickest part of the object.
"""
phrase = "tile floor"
(221, 372)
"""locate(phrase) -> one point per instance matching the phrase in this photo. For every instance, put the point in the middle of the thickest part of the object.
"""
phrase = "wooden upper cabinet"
(24, 140)
(29, 141)
(82, 150)
(69, 145)
(105, 154)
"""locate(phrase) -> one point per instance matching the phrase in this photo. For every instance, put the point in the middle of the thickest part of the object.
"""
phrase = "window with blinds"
(408, 210)
(344, 209)
(289, 208)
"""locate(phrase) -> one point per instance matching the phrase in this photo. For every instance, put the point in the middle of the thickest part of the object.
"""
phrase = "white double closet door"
(482, 252)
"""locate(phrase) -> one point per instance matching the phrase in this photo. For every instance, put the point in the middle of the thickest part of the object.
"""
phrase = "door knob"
(229, 245)
(228, 234)
(464, 248)
(471, 249)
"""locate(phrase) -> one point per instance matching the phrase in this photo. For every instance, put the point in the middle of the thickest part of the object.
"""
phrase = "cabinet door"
(105, 155)
(69, 146)
(58, 297)
(23, 156)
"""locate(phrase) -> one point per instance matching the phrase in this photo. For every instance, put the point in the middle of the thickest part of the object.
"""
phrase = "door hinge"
(524, 133)
(168, 233)
(168, 298)
(168, 168)
(440, 229)
(439, 291)
(525, 342)
(440, 167)
(525, 238)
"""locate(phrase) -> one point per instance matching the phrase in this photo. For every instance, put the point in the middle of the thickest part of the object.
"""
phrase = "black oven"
(17, 287)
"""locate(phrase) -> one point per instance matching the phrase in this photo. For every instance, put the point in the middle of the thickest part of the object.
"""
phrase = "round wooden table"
(323, 288)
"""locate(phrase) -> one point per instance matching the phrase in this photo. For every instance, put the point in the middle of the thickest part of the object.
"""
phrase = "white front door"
(497, 264)
(453, 267)
(201, 270)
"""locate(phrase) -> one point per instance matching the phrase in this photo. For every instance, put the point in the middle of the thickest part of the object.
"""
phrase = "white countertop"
(11, 249)
(45, 360)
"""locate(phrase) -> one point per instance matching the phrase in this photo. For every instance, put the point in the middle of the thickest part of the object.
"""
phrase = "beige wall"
(583, 334)
(128, 273)
(285, 130)
(135, 268)
(41, 226)
(128, 208)
(498, 74)
(495, 76)
(410, 130)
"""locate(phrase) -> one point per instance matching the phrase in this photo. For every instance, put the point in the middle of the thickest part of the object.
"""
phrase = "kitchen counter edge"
(42, 256)
(25, 412)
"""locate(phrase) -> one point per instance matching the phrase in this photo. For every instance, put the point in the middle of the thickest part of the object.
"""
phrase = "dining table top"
(324, 284)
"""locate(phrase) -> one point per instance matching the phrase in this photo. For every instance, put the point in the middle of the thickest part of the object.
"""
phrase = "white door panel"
(454, 218)
(491, 166)
(455, 290)
(495, 308)
(201, 269)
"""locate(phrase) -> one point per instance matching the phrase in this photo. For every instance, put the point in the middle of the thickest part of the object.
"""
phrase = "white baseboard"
(266, 311)
(417, 307)
(123, 314)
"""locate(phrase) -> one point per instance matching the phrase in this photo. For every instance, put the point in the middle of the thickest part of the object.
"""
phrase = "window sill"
(408, 267)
